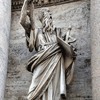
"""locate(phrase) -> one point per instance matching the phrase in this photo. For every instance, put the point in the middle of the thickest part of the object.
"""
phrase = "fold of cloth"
(41, 56)
(48, 67)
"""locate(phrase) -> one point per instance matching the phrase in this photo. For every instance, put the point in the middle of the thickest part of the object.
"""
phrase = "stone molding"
(17, 4)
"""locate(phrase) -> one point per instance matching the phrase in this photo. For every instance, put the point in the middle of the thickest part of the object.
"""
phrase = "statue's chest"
(50, 37)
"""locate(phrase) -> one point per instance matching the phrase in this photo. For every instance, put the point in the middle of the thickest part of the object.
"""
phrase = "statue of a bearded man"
(53, 64)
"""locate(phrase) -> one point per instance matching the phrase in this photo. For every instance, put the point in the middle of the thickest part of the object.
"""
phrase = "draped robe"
(53, 64)
(52, 67)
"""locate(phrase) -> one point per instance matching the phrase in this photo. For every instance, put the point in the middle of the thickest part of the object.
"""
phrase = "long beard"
(47, 25)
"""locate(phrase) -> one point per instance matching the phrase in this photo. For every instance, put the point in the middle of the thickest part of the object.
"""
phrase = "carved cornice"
(17, 4)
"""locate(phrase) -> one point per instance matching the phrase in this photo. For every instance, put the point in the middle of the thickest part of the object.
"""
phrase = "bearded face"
(46, 20)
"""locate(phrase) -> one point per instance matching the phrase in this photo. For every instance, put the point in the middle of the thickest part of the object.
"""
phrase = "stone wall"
(75, 14)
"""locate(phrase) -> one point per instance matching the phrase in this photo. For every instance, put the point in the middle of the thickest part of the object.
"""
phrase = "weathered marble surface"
(75, 14)
(95, 47)
(5, 15)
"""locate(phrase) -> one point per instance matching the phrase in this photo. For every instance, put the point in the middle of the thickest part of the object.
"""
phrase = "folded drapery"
(48, 67)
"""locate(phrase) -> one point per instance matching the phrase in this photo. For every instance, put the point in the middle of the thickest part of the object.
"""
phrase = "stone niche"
(75, 14)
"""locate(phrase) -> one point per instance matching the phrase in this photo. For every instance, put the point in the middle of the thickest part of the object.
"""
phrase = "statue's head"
(46, 20)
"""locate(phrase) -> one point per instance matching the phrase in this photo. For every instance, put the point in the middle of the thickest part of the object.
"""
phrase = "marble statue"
(53, 64)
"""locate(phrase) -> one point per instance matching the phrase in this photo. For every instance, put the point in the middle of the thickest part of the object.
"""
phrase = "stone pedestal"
(95, 47)
(5, 15)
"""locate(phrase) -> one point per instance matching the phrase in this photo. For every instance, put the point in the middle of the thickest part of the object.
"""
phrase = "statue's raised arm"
(27, 21)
